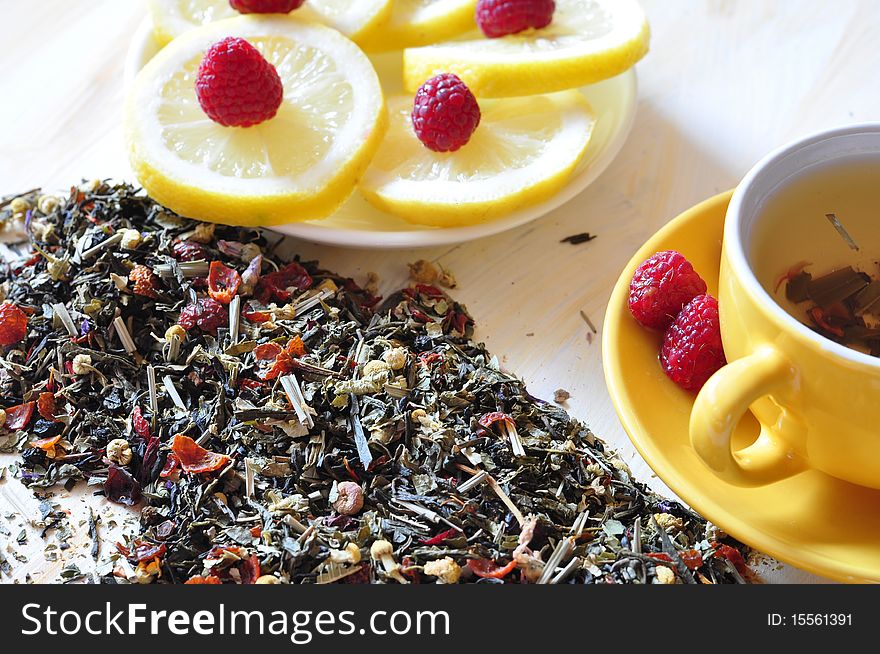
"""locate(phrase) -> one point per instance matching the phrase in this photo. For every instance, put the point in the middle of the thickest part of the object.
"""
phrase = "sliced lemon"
(523, 152)
(357, 19)
(300, 165)
(588, 41)
(420, 22)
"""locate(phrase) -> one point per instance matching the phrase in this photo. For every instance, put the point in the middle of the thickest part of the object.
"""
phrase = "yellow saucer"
(811, 521)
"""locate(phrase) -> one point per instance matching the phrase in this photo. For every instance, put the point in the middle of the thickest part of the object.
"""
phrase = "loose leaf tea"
(274, 422)
(843, 305)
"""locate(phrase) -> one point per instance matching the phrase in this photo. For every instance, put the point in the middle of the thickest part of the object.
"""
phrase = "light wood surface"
(725, 82)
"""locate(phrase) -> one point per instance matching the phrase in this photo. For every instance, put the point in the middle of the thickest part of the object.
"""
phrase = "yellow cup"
(818, 402)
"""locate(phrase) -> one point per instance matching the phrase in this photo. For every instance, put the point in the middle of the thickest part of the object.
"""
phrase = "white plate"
(358, 224)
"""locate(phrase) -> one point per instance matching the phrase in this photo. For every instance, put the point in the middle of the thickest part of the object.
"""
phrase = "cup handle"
(720, 406)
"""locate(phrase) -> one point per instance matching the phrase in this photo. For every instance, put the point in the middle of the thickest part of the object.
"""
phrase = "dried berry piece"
(144, 282)
(207, 314)
(280, 285)
(223, 282)
(13, 324)
(121, 487)
(188, 251)
(194, 458)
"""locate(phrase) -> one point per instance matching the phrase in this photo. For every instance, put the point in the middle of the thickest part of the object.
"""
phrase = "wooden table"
(725, 82)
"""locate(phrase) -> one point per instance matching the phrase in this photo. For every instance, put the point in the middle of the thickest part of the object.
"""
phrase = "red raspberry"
(502, 17)
(692, 350)
(236, 86)
(661, 286)
(206, 314)
(266, 6)
(445, 113)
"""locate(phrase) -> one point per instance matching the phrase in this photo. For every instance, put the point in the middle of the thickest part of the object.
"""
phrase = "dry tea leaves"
(284, 423)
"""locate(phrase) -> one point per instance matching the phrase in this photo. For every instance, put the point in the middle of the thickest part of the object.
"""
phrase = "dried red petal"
(255, 316)
(692, 559)
(497, 416)
(171, 464)
(489, 569)
(121, 487)
(194, 458)
(296, 347)
(251, 384)
(13, 324)
(139, 423)
(223, 282)
(46, 406)
(147, 551)
(207, 314)
(210, 579)
(734, 556)
(276, 286)
(46, 444)
(267, 351)
(18, 417)
(427, 358)
(145, 282)
(250, 570)
(441, 538)
(660, 556)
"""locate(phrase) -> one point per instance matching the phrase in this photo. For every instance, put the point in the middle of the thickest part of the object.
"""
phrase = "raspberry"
(236, 86)
(661, 286)
(502, 17)
(692, 350)
(445, 113)
(265, 6)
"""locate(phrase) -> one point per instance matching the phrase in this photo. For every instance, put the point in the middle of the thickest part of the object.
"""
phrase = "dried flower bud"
(349, 498)
(424, 272)
(203, 233)
(91, 186)
(82, 364)
(131, 238)
(119, 451)
(268, 579)
(47, 204)
(445, 569)
(2, 418)
(669, 522)
(376, 367)
(665, 576)
(19, 205)
(395, 357)
(175, 330)
(350, 554)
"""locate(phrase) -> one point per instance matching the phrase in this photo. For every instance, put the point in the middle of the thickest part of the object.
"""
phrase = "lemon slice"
(588, 41)
(523, 152)
(300, 165)
(357, 19)
(420, 22)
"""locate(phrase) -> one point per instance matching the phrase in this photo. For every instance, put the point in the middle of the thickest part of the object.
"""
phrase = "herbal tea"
(816, 250)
